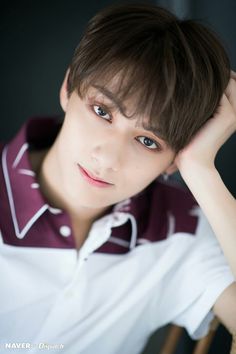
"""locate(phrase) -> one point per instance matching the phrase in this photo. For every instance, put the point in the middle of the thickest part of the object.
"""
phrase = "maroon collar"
(19, 176)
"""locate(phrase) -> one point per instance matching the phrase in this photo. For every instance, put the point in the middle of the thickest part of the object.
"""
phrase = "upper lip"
(94, 176)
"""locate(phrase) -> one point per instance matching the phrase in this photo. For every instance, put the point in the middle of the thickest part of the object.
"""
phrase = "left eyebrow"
(104, 91)
(153, 130)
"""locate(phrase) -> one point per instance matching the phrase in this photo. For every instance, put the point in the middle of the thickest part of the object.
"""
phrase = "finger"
(230, 92)
(227, 111)
(223, 104)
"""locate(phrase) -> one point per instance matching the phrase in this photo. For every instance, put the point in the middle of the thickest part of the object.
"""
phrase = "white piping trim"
(32, 221)
(195, 211)
(143, 241)
(134, 231)
(171, 224)
(118, 241)
(21, 152)
(19, 234)
(24, 171)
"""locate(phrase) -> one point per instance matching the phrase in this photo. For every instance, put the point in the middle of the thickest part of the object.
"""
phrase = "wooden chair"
(202, 346)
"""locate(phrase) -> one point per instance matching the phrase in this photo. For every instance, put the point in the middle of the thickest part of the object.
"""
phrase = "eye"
(101, 112)
(149, 143)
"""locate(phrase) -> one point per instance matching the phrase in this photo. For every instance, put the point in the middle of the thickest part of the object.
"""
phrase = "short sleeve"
(192, 274)
(203, 275)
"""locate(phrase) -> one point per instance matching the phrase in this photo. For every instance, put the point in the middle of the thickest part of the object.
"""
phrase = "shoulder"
(164, 209)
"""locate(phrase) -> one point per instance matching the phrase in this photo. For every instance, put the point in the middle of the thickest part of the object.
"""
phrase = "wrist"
(193, 169)
(200, 178)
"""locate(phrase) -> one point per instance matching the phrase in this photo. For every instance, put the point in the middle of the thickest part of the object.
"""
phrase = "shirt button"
(54, 211)
(65, 231)
(34, 185)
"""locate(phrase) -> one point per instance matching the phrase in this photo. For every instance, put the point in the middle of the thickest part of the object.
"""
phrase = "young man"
(96, 252)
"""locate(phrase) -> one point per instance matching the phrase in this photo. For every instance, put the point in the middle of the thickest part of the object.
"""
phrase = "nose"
(108, 155)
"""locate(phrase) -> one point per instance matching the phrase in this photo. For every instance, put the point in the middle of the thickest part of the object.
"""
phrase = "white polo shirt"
(151, 260)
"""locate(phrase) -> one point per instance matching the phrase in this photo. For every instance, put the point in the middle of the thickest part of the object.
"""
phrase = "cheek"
(142, 174)
(78, 130)
(147, 169)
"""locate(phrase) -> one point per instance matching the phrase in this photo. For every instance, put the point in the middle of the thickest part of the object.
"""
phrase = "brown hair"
(175, 71)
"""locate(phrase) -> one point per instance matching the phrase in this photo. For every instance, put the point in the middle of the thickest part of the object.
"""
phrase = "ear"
(171, 169)
(64, 96)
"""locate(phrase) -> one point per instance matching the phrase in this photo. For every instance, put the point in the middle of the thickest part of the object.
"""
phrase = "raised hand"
(201, 151)
(196, 165)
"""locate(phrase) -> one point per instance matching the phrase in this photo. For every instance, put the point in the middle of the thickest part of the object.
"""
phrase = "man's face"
(96, 139)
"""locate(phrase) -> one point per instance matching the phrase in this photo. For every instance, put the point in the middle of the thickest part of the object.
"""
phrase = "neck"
(43, 164)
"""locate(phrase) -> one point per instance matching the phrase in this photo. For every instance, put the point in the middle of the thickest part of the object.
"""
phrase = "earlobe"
(64, 97)
(171, 169)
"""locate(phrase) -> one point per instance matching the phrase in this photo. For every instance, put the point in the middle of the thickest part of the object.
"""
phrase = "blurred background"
(38, 39)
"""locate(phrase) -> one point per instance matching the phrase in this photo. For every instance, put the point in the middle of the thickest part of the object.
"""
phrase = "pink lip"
(91, 179)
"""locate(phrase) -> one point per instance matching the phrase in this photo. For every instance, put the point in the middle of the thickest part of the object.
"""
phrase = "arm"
(196, 165)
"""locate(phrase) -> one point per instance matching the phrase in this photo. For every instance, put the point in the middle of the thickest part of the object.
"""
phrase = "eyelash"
(107, 112)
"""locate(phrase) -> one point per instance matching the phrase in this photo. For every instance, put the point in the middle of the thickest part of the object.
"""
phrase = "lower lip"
(92, 181)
